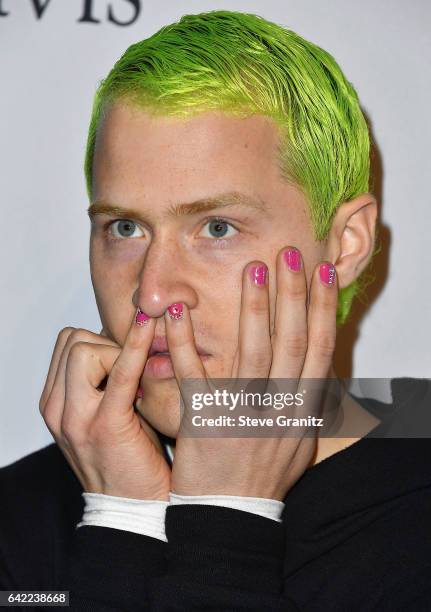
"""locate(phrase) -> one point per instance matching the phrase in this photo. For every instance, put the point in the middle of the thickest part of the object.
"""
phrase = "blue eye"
(219, 228)
(124, 228)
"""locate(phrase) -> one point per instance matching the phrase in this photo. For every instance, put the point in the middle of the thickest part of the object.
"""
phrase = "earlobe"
(351, 239)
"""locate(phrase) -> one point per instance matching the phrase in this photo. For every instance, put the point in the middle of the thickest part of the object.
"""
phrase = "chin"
(166, 428)
(163, 417)
(161, 398)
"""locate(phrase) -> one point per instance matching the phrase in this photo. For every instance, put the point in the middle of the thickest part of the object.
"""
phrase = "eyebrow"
(233, 198)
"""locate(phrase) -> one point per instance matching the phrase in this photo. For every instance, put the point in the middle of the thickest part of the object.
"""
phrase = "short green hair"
(242, 64)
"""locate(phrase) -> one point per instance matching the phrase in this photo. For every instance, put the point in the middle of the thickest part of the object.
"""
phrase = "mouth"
(160, 347)
(159, 364)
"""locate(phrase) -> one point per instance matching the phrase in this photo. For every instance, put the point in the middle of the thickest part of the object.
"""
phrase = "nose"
(165, 278)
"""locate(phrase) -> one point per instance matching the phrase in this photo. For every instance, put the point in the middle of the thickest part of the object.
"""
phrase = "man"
(227, 168)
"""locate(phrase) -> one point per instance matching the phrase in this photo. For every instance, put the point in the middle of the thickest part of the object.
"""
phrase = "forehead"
(141, 156)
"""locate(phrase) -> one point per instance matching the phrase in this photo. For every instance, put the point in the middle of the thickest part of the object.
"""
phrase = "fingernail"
(140, 392)
(258, 274)
(327, 274)
(293, 259)
(175, 311)
(141, 318)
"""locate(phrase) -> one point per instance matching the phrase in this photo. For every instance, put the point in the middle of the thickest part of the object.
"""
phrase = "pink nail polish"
(293, 259)
(258, 274)
(327, 273)
(175, 311)
(141, 318)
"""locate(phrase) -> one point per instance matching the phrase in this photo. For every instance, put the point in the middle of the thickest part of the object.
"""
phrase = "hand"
(111, 449)
(300, 347)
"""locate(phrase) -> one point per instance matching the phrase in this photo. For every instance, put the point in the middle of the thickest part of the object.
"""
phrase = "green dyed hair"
(243, 64)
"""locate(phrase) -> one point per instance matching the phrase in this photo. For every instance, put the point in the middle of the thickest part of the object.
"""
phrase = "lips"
(159, 365)
(159, 346)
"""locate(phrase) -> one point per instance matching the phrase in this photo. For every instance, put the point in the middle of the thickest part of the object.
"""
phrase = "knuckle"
(43, 400)
(259, 359)
(78, 351)
(72, 433)
(258, 307)
(66, 332)
(98, 432)
(67, 429)
(324, 344)
(72, 335)
(178, 342)
(78, 334)
(51, 409)
(42, 404)
(135, 342)
(45, 410)
(296, 344)
(328, 302)
(119, 375)
(296, 292)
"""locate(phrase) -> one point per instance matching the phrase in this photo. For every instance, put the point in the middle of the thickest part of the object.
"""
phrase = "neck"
(355, 415)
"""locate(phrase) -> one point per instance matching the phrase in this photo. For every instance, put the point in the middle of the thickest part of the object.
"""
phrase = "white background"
(49, 70)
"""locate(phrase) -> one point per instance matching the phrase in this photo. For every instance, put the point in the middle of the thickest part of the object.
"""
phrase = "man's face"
(165, 256)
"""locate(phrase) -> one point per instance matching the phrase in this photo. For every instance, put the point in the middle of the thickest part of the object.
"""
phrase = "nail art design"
(175, 311)
(141, 318)
(293, 259)
(327, 273)
(258, 274)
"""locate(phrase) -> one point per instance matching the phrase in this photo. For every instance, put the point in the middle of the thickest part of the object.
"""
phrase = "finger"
(289, 339)
(186, 361)
(321, 322)
(65, 339)
(254, 344)
(55, 398)
(87, 365)
(53, 366)
(123, 380)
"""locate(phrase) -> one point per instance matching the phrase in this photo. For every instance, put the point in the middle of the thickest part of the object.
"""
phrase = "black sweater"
(356, 535)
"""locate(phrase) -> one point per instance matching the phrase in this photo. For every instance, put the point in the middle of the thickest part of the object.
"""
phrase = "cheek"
(113, 289)
(223, 311)
(114, 268)
(117, 253)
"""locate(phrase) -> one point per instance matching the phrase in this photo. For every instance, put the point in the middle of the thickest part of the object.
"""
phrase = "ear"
(350, 242)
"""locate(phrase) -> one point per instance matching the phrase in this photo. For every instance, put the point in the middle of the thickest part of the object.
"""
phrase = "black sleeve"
(412, 593)
(111, 569)
(221, 559)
